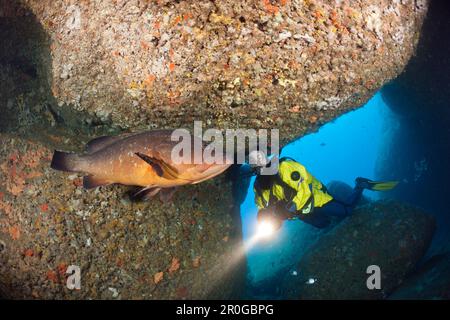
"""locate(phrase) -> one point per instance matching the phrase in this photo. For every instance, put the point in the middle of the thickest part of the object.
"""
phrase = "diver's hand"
(282, 211)
(270, 214)
(291, 207)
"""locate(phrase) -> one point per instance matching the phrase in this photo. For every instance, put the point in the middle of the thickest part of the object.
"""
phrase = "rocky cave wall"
(290, 64)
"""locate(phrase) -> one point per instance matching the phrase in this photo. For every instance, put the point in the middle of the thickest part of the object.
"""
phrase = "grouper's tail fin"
(64, 161)
(376, 185)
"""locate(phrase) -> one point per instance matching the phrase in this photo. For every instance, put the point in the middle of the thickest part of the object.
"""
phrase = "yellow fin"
(383, 185)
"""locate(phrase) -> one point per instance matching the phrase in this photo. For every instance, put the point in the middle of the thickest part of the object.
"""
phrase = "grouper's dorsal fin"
(101, 142)
(161, 168)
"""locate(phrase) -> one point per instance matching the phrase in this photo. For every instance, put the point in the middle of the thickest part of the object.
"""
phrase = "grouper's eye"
(295, 176)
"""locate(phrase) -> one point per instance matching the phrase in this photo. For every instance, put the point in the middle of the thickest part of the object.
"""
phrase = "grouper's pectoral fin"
(90, 182)
(161, 168)
(144, 193)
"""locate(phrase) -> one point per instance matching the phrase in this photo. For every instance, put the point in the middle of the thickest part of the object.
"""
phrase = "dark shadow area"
(420, 149)
(27, 105)
(25, 66)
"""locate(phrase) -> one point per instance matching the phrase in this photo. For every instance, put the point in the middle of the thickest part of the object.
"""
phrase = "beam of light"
(265, 230)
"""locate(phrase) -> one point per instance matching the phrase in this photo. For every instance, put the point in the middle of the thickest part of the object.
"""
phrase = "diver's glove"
(269, 215)
(276, 214)
(291, 207)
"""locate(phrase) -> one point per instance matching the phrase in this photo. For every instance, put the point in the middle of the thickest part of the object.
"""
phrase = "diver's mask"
(257, 160)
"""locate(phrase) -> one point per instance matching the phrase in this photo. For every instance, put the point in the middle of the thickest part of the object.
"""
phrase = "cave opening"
(340, 151)
(374, 142)
(401, 134)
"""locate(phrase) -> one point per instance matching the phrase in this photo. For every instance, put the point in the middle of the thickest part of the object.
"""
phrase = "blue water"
(341, 150)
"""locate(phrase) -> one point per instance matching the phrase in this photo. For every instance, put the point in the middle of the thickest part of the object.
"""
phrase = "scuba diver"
(293, 193)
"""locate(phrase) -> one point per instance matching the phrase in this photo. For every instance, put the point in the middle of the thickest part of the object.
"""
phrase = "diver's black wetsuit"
(319, 217)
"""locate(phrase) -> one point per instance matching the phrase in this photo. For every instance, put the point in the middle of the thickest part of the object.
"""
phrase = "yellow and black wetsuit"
(294, 193)
(294, 186)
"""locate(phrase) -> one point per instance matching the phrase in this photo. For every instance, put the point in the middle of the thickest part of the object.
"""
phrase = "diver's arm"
(260, 203)
(306, 208)
(282, 212)
(309, 206)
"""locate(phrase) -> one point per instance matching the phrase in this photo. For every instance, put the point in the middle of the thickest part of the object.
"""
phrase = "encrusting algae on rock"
(388, 234)
(237, 64)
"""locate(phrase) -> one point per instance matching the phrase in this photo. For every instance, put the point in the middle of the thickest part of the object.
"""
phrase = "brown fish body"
(116, 160)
